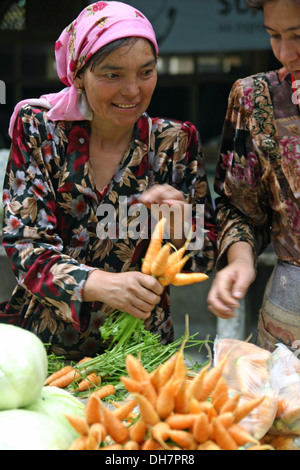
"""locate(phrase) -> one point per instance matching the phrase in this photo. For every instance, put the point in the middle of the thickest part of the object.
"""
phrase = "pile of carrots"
(168, 409)
(68, 375)
(166, 265)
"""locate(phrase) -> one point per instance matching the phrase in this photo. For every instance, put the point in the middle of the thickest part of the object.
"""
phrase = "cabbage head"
(57, 403)
(30, 430)
(23, 367)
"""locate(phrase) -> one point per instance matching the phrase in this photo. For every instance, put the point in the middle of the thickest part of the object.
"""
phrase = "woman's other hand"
(164, 194)
(232, 283)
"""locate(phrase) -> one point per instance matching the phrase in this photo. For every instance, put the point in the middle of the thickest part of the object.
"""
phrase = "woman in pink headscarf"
(79, 159)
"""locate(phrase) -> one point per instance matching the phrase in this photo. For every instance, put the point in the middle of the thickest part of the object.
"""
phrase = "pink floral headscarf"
(97, 25)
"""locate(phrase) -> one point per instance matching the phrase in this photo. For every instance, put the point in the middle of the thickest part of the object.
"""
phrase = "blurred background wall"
(205, 45)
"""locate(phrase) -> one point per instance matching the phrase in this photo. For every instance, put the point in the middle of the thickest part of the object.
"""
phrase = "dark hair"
(257, 4)
(104, 52)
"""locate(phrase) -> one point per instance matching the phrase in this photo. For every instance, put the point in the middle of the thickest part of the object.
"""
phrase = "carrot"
(222, 437)
(201, 428)
(66, 379)
(196, 407)
(115, 428)
(175, 386)
(160, 262)
(147, 410)
(137, 430)
(98, 431)
(183, 438)
(208, 445)
(231, 404)
(241, 436)
(131, 445)
(112, 447)
(80, 443)
(209, 409)
(167, 278)
(245, 409)
(79, 424)
(160, 432)
(261, 447)
(105, 391)
(131, 385)
(181, 420)
(148, 390)
(166, 398)
(220, 394)
(150, 444)
(154, 245)
(85, 359)
(91, 443)
(227, 419)
(92, 380)
(124, 410)
(182, 402)
(135, 369)
(58, 374)
(92, 410)
(184, 279)
(211, 379)
(180, 369)
(177, 255)
(164, 372)
(196, 385)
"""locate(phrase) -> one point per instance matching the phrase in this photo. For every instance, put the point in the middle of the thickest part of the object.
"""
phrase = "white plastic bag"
(249, 372)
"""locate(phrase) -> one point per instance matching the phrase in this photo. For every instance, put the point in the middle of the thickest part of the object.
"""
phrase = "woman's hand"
(160, 194)
(232, 283)
(131, 292)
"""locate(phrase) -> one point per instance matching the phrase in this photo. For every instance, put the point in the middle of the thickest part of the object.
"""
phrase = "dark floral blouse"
(258, 172)
(51, 209)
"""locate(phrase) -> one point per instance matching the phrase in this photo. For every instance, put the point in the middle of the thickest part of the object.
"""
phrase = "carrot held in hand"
(160, 262)
(184, 279)
(169, 275)
(154, 245)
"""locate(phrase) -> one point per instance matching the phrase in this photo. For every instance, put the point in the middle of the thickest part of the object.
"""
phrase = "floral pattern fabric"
(51, 214)
(258, 171)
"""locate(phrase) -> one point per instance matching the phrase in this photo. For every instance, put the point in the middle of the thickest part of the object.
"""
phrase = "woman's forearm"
(241, 251)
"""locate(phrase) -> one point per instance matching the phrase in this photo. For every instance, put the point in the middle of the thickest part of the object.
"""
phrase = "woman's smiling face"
(119, 89)
(282, 22)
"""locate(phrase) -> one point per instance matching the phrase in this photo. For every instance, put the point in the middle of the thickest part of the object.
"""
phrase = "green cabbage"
(23, 367)
(30, 430)
(56, 403)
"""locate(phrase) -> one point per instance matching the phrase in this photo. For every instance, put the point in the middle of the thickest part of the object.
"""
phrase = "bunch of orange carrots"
(166, 265)
(168, 409)
(68, 375)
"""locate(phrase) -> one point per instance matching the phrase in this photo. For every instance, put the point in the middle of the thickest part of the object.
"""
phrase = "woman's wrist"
(93, 285)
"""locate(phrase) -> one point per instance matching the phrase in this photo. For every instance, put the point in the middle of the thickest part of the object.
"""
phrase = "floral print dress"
(258, 172)
(51, 215)
(258, 181)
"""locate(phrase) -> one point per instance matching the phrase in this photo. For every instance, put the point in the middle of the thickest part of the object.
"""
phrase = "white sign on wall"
(184, 26)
